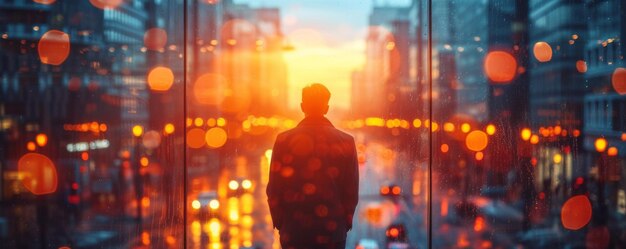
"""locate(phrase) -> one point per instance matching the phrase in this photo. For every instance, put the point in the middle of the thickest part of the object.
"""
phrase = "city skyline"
(328, 44)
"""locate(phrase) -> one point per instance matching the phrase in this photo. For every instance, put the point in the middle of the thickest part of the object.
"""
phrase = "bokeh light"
(542, 51)
(31, 146)
(41, 139)
(534, 139)
(612, 151)
(44, 1)
(195, 204)
(195, 138)
(151, 139)
(39, 173)
(600, 144)
(491, 129)
(525, 134)
(209, 89)
(581, 66)
(160, 79)
(155, 39)
(465, 127)
(576, 212)
(106, 4)
(619, 80)
(137, 130)
(54, 47)
(144, 161)
(557, 158)
(500, 66)
(216, 137)
(445, 148)
(169, 128)
(476, 140)
(479, 156)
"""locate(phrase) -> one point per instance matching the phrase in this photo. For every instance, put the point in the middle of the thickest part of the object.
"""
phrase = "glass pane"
(533, 95)
(90, 124)
(247, 64)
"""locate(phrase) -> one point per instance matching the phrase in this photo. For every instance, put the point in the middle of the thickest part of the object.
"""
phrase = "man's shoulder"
(327, 131)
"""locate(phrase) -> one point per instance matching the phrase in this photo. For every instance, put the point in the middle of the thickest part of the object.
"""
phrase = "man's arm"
(351, 187)
(273, 186)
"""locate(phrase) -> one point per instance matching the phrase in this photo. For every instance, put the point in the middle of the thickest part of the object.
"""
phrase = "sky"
(329, 41)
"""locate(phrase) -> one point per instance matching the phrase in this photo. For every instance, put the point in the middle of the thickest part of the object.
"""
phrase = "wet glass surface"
(152, 124)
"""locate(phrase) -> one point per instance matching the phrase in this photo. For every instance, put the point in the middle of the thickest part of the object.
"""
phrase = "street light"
(137, 132)
(600, 144)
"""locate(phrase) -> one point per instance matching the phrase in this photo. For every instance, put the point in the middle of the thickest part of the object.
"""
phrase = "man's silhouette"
(314, 179)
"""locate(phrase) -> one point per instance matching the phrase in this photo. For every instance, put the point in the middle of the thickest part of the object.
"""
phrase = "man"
(314, 179)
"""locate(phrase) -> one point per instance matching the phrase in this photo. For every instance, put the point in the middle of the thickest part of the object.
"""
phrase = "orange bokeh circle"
(215, 137)
(619, 80)
(106, 4)
(195, 138)
(500, 66)
(542, 51)
(476, 140)
(155, 39)
(576, 212)
(39, 175)
(581, 66)
(160, 79)
(54, 47)
(44, 1)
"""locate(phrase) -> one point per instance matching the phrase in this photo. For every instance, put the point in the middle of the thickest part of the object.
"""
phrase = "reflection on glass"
(526, 132)
(84, 161)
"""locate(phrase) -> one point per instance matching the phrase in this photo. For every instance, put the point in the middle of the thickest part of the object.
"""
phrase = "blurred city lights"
(491, 129)
(581, 66)
(195, 204)
(144, 161)
(106, 4)
(39, 173)
(44, 1)
(542, 51)
(233, 185)
(479, 156)
(54, 47)
(41, 139)
(160, 79)
(444, 148)
(476, 140)
(216, 137)
(600, 144)
(155, 39)
(500, 66)
(525, 134)
(214, 204)
(557, 158)
(137, 130)
(31, 146)
(576, 212)
(618, 80)
(465, 127)
(151, 140)
(612, 151)
(246, 184)
(195, 138)
(169, 128)
(534, 139)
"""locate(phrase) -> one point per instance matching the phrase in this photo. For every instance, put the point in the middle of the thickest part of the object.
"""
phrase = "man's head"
(315, 100)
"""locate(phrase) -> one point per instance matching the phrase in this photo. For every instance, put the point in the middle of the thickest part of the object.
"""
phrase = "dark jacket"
(313, 184)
